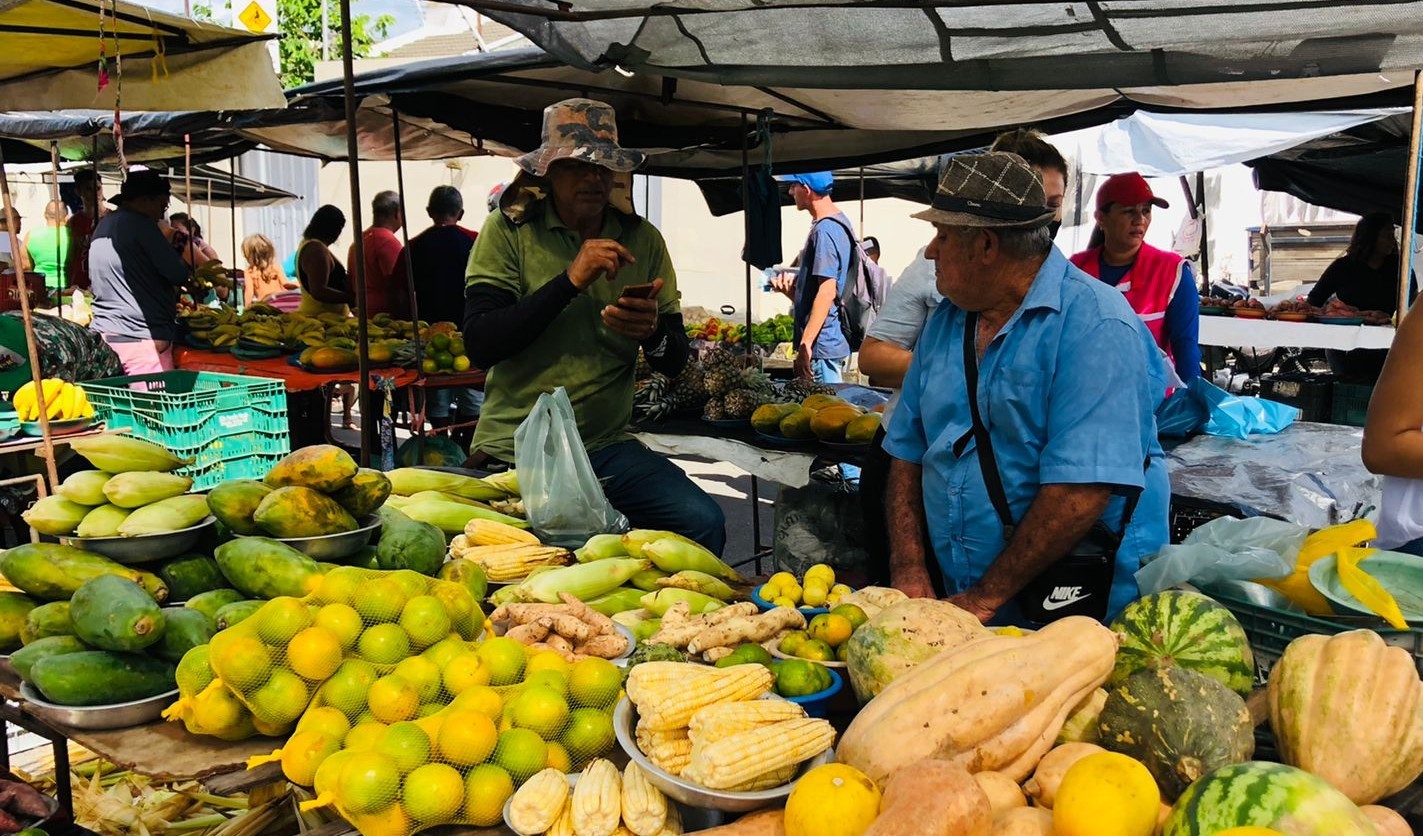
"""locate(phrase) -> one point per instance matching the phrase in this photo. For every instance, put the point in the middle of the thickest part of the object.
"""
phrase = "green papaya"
(407, 544)
(364, 558)
(208, 603)
(236, 613)
(26, 657)
(191, 575)
(103, 521)
(15, 607)
(185, 629)
(172, 514)
(85, 487)
(113, 613)
(54, 515)
(264, 568)
(322, 467)
(99, 677)
(235, 501)
(47, 620)
(367, 492)
(52, 572)
(301, 512)
(468, 574)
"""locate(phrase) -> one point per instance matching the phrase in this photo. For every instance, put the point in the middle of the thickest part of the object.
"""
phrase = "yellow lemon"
(505, 659)
(485, 791)
(466, 738)
(342, 621)
(832, 800)
(594, 683)
(392, 699)
(281, 618)
(480, 698)
(434, 794)
(521, 753)
(821, 573)
(406, 744)
(1106, 794)
(314, 653)
(303, 754)
(369, 782)
(465, 671)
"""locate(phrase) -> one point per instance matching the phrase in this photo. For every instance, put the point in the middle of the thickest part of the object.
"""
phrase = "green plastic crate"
(232, 426)
(1351, 403)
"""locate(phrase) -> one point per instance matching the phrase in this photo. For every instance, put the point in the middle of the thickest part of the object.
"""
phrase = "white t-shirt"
(1400, 512)
(907, 306)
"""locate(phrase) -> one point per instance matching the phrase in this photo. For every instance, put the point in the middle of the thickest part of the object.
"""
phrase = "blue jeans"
(833, 371)
(465, 400)
(1414, 548)
(652, 492)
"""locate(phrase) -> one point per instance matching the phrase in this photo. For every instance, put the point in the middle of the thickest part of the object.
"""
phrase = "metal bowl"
(145, 548)
(332, 547)
(97, 717)
(693, 818)
(695, 795)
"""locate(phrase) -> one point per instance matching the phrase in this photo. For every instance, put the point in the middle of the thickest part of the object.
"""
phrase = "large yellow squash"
(1349, 708)
(995, 704)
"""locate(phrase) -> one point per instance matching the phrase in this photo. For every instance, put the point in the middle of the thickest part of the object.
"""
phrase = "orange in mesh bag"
(345, 640)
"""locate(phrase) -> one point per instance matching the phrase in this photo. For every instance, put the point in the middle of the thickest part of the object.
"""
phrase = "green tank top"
(48, 248)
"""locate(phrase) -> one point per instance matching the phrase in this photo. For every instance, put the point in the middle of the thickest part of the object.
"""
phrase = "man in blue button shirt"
(1068, 384)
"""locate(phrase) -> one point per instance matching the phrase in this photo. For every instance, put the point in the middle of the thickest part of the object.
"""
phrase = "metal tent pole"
(746, 234)
(358, 268)
(416, 432)
(239, 290)
(36, 370)
(1410, 205)
(58, 239)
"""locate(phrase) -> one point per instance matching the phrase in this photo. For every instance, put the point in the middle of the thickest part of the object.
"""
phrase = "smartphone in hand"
(640, 291)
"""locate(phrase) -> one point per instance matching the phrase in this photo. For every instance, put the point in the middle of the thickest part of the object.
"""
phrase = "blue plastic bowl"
(767, 605)
(818, 704)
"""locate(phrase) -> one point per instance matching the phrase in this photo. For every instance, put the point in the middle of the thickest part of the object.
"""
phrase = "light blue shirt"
(1069, 389)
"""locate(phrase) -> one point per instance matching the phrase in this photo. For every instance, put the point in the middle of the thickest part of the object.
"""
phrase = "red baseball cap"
(1128, 190)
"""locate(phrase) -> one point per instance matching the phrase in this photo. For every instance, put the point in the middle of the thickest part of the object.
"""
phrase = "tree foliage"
(299, 22)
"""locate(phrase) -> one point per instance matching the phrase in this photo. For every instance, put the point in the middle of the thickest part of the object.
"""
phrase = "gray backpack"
(866, 284)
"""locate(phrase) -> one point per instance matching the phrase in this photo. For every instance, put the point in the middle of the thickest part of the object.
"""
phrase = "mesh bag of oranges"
(357, 626)
(501, 715)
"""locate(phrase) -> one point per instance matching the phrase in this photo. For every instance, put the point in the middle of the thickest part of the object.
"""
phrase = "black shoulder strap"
(987, 463)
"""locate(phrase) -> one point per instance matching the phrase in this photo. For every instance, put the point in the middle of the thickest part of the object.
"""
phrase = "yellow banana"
(24, 401)
(54, 398)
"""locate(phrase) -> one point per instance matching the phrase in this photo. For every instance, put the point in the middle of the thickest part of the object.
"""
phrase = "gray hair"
(1015, 242)
(385, 205)
(445, 201)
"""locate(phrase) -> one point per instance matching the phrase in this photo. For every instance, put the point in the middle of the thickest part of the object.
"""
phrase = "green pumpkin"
(1186, 629)
(1178, 723)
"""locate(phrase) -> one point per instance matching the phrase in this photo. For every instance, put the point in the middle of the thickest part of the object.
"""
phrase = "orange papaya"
(322, 467)
(295, 511)
(235, 501)
(367, 492)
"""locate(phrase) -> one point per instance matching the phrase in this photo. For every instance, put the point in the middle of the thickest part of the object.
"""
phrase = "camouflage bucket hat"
(997, 189)
(580, 129)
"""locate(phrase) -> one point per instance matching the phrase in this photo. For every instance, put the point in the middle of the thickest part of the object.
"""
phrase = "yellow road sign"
(255, 18)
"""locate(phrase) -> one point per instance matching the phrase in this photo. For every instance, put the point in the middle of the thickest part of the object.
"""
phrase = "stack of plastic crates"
(233, 427)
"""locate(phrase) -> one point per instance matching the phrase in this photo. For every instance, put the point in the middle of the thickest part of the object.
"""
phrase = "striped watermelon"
(1272, 795)
(1187, 629)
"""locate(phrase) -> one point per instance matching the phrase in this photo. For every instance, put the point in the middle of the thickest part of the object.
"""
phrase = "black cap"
(141, 184)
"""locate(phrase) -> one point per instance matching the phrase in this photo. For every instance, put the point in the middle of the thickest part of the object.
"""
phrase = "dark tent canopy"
(1361, 170)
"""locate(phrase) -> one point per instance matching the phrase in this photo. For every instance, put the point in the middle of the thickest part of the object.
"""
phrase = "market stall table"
(1269, 333)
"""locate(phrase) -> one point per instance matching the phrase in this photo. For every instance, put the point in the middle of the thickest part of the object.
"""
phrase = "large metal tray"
(145, 548)
(97, 717)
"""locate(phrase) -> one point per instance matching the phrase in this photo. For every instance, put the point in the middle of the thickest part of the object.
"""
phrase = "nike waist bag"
(1078, 584)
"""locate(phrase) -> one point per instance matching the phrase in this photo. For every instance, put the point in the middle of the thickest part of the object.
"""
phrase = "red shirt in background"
(385, 284)
(76, 264)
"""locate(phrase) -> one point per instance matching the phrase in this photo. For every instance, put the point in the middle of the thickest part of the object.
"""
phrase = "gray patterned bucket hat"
(580, 129)
(997, 189)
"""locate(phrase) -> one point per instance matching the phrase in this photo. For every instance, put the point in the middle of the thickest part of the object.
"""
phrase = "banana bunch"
(224, 335)
(259, 312)
(300, 331)
(62, 401)
(267, 332)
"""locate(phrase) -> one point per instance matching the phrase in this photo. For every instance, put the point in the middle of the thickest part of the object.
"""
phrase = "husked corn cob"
(669, 751)
(514, 562)
(490, 533)
(537, 804)
(669, 705)
(459, 544)
(767, 780)
(563, 825)
(644, 806)
(727, 718)
(673, 825)
(597, 800)
(736, 760)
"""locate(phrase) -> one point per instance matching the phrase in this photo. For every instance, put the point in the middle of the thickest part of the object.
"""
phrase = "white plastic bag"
(1226, 549)
(563, 500)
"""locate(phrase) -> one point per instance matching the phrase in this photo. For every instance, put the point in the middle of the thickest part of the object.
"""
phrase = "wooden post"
(36, 369)
(59, 253)
(369, 427)
(1410, 202)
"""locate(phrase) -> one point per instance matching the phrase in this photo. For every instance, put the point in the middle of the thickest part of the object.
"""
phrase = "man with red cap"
(1157, 284)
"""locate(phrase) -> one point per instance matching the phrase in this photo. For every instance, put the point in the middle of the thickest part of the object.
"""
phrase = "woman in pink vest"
(1158, 284)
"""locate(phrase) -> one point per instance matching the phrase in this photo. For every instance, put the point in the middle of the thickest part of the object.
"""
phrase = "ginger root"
(751, 628)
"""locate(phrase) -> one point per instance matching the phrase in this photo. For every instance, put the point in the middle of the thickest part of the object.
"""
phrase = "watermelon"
(1187, 629)
(1180, 724)
(1273, 795)
(901, 636)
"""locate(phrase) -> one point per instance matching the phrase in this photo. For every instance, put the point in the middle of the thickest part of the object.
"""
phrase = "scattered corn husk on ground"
(127, 804)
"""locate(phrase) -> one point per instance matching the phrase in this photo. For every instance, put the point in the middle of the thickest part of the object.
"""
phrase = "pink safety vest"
(1148, 285)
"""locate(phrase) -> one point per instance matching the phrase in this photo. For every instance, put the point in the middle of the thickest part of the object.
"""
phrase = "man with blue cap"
(822, 352)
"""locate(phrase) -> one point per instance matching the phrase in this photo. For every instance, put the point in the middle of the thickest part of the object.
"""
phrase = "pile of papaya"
(823, 417)
(131, 493)
(312, 492)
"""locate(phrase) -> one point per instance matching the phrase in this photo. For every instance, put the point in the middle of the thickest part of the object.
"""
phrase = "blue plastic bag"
(1237, 416)
(1181, 415)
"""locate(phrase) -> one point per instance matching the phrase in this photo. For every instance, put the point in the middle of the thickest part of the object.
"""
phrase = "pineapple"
(642, 370)
(718, 358)
(720, 380)
(715, 410)
(652, 400)
(740, 403)
(689, 388)
(757, 381)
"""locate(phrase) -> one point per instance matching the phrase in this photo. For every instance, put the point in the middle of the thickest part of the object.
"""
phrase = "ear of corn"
(563, 823)
(584, 581)
(139, 488)
(408, 481)
(508, 482)
(635, 540)
(513, 562)
(597, 800)
(698, 582)
(601, 547)
(669, 705)
(725, 719)
(767, 780)
(539, 802)
(170, 514)
(489, 533)
(673, 825)
(676, 555)
(114, 453)
(644, 806)
(452, 517)
(737, 760)
(665, 598)
(669, 751)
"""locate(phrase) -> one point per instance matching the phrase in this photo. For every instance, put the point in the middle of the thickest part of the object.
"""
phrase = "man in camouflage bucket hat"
(1067, 384)
(564, 285)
